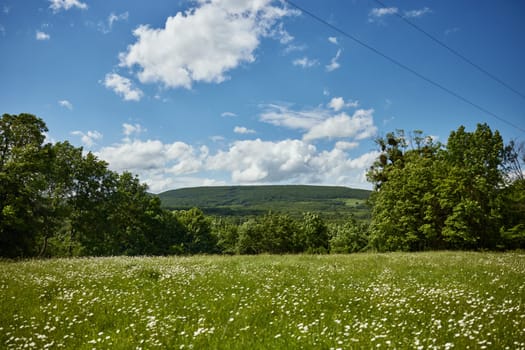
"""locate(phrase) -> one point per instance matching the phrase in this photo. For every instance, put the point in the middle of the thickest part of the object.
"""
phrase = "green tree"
(314, 236)
(349, 237)
(469, 188)
(403, 203)
(24, 160)
(429, 197)
(199, 237)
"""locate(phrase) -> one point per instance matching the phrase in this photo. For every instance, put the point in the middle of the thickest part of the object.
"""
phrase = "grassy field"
(426, 300)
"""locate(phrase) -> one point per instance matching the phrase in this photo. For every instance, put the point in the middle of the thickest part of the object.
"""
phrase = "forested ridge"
(57, 200)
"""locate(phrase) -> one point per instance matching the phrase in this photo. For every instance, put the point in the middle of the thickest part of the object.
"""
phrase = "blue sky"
(212, 92)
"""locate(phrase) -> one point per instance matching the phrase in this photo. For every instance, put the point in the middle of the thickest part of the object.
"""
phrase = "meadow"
(438, 300)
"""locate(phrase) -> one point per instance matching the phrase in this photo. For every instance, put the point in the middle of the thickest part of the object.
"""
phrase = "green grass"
(332, 202)
(424, 300)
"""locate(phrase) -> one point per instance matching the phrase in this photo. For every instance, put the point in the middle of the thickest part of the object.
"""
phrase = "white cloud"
(377, 13)
(130, 129)
(137, 156)
(333, 40)
(251, 161)
(333, 62)
(166, 166)
(359, 126)
(66, 104)
(42, 35)
(243, 130)
(228, 114)
(88, 139)
(228, 33)
(123, 87)
(345, 145)
(305, 62)
(57, 5)
(338, 103)
(290, 161)
(417, 13)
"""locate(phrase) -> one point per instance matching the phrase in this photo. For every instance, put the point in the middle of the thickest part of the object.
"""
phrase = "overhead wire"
(403, 66)
(455, 52)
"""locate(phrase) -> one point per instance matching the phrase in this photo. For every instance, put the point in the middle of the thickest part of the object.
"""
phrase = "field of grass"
(437, 300)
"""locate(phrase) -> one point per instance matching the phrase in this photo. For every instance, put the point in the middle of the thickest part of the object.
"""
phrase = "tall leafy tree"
(24, 161)
(469, 191)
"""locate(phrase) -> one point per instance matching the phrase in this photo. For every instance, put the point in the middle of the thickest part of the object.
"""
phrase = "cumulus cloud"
(334, 64)
(122, 86)
(229, 31)
(166, 166)
(57, 5)
(66, 104)
(89, 138)
(252, 161)
(42, 35)
(338, 103)
(359, 126)
(305, 62)
(333, 40)
(243, 130)
(290, 161)
(137, 156)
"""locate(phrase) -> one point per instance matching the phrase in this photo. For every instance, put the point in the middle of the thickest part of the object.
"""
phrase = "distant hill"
(332, 202)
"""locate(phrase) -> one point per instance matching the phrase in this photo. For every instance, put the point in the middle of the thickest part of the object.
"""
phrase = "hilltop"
(332, 202)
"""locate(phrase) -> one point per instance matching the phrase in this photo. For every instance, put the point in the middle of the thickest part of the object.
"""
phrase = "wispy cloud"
(107, 26)
(378, 13)
(333, 40)
(66, 104)
(334, 64)
(417, 13)
(305, 62)
(228, 114)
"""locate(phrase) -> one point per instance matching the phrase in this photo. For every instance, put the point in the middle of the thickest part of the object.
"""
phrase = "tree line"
(57, 200)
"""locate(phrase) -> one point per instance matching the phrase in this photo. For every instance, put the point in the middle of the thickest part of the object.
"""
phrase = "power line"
(403, 66)
(456, 53)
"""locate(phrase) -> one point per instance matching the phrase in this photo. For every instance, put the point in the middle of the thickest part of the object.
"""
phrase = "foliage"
(350, 237)
(440, 300)
(55, 200)
(433, 197)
